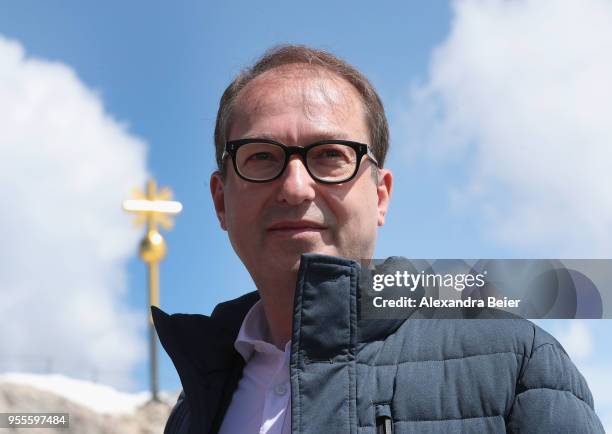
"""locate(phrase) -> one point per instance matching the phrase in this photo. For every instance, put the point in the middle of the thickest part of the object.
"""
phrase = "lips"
(300, 225)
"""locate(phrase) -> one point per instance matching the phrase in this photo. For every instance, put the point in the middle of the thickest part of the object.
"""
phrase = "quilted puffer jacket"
(355, 376)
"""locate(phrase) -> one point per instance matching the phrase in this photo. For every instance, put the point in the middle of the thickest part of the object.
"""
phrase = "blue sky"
(159, 70)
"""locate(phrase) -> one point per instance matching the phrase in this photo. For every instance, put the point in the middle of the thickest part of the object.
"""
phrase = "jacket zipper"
(383, 425)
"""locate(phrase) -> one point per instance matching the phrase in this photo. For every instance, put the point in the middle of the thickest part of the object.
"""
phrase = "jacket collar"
(202, 350)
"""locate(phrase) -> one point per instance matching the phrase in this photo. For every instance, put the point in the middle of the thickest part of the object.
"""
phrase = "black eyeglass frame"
(361, 149)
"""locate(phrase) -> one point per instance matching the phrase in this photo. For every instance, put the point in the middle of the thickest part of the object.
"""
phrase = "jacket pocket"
(384, 421)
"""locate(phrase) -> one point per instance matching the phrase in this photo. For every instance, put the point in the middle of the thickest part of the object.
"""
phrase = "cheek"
(241, 224)
(366, 201)
(365, 217)
(357, 223)
(357, 211)
(241, 208)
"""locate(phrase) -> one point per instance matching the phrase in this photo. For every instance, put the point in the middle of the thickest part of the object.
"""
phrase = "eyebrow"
(320, 135)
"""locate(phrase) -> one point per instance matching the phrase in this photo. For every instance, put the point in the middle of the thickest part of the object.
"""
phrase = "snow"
(97, 397)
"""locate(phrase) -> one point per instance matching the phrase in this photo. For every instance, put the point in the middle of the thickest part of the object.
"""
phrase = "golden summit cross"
(152, 208)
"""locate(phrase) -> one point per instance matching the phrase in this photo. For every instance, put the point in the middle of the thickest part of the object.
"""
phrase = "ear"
(218, 196)
(383, 189)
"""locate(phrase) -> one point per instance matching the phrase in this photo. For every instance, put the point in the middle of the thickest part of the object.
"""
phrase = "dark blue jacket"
(355, 376)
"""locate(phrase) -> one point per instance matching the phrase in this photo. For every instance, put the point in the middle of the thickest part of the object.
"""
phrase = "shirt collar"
(254, 334)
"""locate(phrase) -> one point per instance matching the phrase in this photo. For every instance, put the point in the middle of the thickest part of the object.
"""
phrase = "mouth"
(290, 227)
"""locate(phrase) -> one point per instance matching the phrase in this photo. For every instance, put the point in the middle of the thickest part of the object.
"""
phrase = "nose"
(296, 184)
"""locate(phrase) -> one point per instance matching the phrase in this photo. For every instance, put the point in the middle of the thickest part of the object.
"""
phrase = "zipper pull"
(383, 425)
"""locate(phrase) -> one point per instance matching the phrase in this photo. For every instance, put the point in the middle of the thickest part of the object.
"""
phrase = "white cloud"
(577, 339)
(600, 382)
(520, 94)
(65, 167)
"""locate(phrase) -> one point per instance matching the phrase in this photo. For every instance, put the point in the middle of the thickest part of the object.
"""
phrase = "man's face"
(271, 224)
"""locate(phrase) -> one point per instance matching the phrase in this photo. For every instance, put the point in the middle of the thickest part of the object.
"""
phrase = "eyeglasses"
(327, 161)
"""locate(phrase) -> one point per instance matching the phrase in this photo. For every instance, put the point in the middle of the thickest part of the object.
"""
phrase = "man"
(301, 139)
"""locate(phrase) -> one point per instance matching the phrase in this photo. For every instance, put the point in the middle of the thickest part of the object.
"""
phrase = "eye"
(331, 153)
(261, 156)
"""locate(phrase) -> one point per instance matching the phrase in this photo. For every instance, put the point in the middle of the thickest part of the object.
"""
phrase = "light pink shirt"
(262, 402)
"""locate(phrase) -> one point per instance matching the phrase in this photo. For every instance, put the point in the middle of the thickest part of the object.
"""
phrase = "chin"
(284, 259)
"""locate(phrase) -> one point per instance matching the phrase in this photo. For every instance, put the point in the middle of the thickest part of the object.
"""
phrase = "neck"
(277, 298)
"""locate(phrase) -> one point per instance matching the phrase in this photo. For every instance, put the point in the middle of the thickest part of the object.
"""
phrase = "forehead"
(303, 95)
